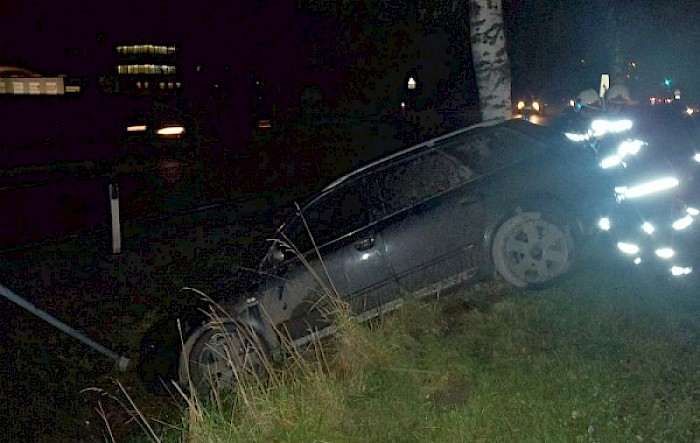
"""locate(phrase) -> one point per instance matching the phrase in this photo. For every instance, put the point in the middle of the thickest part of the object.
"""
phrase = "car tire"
(221, 356)
(532, 248)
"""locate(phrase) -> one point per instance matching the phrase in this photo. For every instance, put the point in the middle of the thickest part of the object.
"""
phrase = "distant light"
(412, 84)
(171, 130)
(628, 248)
(637, 260)
(689, 111)
(665, 253)
(264, 124)
(692, 211)
(648, 228)
(604, 224)
(696, 157)
(136, 128)
(681, 270)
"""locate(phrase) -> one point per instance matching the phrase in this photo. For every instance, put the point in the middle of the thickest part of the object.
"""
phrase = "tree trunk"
(491, 65)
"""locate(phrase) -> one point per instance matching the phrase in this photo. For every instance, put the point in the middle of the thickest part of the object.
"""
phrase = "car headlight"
(521, 105)
(692, 211)
(536, 106)
(171, 130)
(646, 188)
(696, 157)
(604, 224)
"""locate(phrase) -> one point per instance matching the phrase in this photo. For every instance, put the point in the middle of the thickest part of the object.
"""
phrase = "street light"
(412, 84)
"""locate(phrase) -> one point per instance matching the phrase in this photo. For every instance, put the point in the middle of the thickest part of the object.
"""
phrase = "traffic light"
(667, 81)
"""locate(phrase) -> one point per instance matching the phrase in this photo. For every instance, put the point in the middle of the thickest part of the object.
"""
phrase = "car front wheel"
(531, 249)
(221, 356)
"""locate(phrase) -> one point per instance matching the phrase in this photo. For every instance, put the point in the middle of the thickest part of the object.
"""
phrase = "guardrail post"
(116, 224)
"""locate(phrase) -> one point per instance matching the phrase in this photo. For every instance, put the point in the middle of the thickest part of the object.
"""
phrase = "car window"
(409, 182)
(331, 216)
(485, 151)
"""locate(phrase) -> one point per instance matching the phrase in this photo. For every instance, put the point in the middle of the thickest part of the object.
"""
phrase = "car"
(511, 200)
(528, 104)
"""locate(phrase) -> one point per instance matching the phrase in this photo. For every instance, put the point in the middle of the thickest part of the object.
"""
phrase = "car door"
(337, 252)
(431, 220)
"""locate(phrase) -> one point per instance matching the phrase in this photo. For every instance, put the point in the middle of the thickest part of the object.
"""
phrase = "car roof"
(426, 144)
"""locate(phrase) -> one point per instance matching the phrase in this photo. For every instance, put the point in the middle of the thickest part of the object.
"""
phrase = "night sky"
(546, 38)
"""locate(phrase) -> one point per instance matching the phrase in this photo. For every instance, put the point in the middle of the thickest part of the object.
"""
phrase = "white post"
(116, 225)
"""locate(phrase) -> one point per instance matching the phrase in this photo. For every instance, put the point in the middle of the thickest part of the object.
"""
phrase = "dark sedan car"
(509, 199)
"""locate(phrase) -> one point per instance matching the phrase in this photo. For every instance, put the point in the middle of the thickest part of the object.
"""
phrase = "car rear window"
(485, 151)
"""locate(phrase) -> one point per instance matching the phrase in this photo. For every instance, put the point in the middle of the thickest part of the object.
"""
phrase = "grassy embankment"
(602, 357)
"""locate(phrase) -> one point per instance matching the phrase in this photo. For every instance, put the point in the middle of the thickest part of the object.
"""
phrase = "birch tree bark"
(491, 65)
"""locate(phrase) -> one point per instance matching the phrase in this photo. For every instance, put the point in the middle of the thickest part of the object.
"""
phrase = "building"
(143, 69)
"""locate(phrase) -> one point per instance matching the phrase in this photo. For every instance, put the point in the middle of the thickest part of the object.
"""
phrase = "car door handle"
(364, 244)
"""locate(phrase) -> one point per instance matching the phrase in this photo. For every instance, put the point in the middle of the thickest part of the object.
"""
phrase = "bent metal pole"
(121, 361)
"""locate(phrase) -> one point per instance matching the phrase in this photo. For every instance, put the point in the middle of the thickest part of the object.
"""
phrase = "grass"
(601, 357)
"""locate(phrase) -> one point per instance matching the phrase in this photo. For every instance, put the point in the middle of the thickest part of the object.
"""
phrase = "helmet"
(618, 94)
(587, 98)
